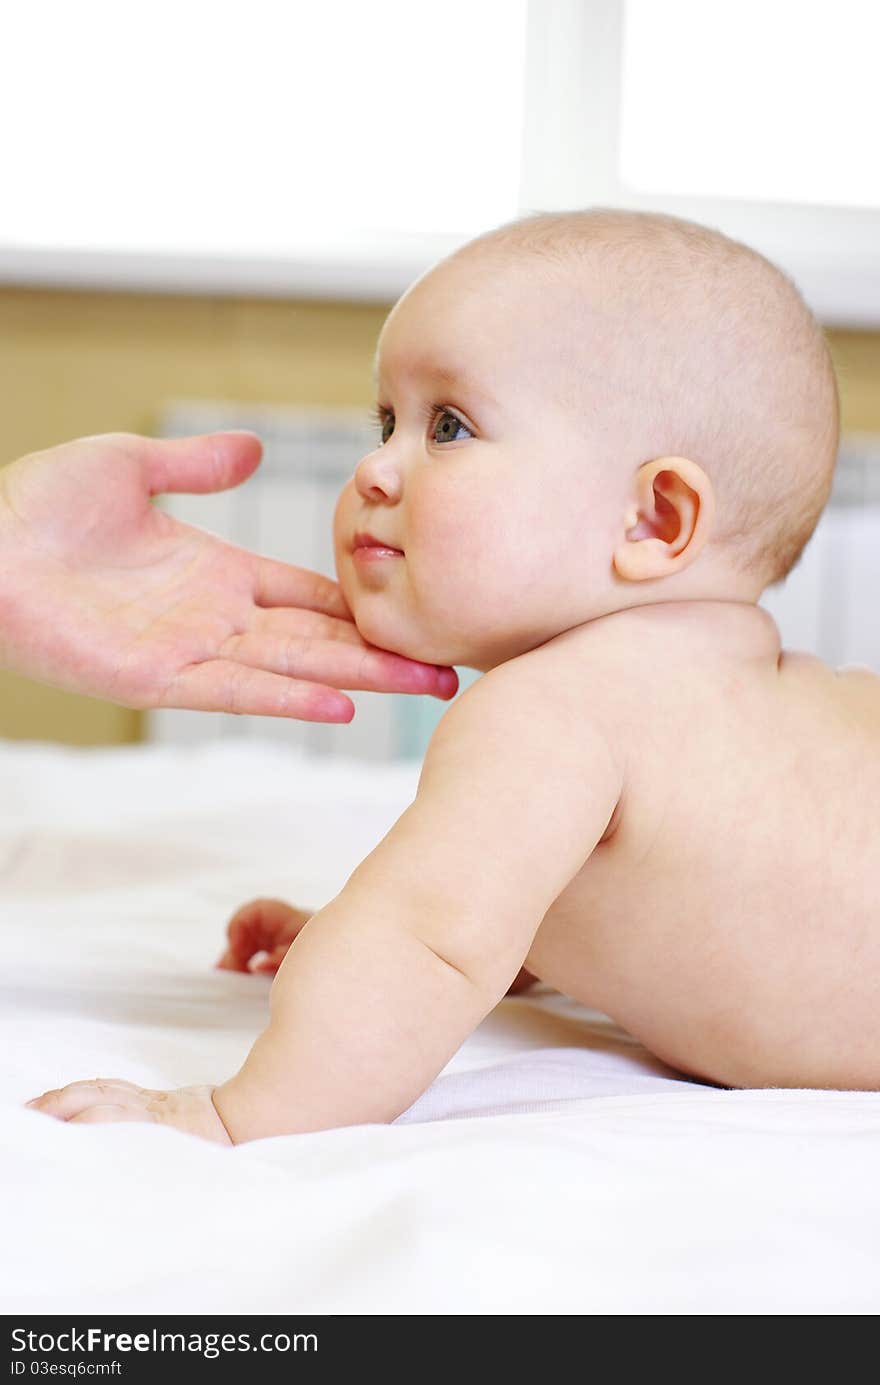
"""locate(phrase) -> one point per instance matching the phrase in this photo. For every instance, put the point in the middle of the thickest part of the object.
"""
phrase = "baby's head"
(583, 412)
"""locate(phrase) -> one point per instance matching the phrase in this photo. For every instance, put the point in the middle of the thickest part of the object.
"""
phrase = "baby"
(603, 434)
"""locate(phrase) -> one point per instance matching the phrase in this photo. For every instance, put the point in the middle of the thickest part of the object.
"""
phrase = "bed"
(554, 1167)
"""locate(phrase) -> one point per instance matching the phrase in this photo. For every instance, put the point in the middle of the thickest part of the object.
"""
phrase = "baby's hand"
(260, 933)
(110, 1099)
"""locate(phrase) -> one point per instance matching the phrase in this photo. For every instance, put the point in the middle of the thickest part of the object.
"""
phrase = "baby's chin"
(380, 625)
(449, 633)
(411, 644)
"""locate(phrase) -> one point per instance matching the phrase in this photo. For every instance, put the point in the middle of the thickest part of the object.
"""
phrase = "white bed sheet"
(553, 1168)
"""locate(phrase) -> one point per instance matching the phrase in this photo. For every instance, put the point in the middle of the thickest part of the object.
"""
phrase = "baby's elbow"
(487, 966)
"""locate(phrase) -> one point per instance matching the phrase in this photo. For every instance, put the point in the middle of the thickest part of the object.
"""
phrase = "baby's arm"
(379, 989)
(381, 986)
(260, 933)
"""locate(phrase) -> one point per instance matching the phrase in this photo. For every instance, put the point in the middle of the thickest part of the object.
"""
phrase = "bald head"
(684, 342)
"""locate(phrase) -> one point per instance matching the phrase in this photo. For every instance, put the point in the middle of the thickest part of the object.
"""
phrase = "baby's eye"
(386, 426)
(446, 427)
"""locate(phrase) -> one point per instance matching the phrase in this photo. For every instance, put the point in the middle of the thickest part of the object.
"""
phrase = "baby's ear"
(668, 519)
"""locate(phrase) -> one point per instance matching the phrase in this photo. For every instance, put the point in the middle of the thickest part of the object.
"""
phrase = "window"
(342, 148)
(757, 118)
(771, 102)
(257, 136)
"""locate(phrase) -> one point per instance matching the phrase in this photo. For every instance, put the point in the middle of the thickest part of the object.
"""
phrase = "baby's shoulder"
(565, 692)
(643, 674)
(601, 670)
(542, 702)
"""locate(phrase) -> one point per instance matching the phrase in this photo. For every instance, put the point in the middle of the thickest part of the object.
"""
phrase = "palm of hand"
(144, 597)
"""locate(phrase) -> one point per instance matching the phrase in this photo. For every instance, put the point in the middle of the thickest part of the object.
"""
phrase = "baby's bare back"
(730, 919)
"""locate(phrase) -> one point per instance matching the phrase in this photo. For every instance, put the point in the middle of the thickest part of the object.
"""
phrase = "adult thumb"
(207, 462)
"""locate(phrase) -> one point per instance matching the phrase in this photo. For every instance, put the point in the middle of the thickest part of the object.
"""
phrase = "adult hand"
(105, 594)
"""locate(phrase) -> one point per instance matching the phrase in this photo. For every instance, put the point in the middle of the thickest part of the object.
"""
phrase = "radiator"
(826, 606)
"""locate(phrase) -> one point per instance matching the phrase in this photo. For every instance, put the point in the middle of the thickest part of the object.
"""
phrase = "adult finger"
(297, 622)
(434, 680)
(221, 685)
(283, 584)
(206, 462)
(339, 664)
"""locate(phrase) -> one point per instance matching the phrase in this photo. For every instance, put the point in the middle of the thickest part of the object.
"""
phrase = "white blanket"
(553, 1168)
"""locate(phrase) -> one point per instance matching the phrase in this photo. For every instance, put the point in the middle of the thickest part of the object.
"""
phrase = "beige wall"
(75, 363)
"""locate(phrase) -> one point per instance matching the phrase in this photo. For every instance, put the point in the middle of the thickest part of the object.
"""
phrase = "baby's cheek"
(453, 531)
(458, 587)
(343, 527)
(492, 592)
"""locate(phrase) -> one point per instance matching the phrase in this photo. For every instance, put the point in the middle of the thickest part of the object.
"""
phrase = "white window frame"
(378, 272)
(571, 159)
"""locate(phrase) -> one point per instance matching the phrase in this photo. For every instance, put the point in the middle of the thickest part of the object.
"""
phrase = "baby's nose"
(377, 477)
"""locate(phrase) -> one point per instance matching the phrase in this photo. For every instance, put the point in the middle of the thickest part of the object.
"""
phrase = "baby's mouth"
(367, 546)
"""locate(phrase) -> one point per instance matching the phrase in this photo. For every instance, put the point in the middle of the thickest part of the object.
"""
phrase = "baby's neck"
(734, 629)
(716, 628)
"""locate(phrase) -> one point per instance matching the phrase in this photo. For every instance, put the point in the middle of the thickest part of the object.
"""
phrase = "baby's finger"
(66, 1102)
(106, 1083)
(246, 935)
(272, 961)
(98, 1115)
(228, 961)
(266, 918)
(239, 947)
